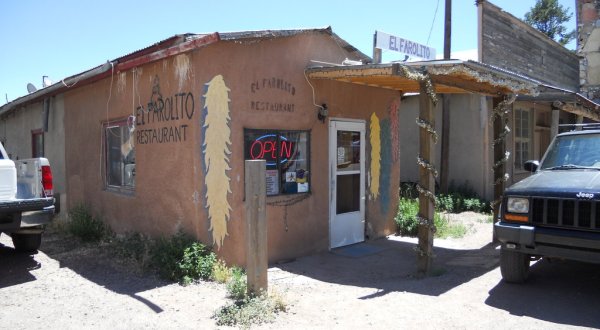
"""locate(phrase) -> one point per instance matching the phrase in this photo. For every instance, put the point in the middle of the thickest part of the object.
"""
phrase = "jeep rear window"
(573, 150)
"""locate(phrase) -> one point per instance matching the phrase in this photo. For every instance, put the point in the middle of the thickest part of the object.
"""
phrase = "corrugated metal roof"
(273, 34)
(168, 47)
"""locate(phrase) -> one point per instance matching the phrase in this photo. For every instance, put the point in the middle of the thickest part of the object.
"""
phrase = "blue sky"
(64, 37)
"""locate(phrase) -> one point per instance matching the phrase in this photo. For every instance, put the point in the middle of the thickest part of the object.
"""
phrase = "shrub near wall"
(407, 223)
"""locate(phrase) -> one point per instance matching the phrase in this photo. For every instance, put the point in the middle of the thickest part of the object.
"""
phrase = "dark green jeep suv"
(556, 211)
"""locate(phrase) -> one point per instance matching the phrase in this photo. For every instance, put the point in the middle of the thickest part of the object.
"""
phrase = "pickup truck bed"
(26, 200)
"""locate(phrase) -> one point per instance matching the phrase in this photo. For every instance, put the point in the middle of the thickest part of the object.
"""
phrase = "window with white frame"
(120, 155)
(522, 136)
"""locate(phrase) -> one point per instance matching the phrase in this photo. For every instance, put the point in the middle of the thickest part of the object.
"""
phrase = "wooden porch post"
(427, 184)
(499, 155)
(257, 257)
(579, 122)
(555, 121)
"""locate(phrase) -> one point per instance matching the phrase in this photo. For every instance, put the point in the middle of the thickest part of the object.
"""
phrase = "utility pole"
(444, 166)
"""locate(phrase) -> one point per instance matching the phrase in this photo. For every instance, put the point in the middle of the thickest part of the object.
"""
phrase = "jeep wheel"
(514, 266)
(26, 242)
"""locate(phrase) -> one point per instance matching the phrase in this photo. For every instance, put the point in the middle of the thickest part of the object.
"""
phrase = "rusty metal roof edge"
(40, 93)
(169, 42)
(74, 79)
(262, 34)
(317, 68)
(586, 102)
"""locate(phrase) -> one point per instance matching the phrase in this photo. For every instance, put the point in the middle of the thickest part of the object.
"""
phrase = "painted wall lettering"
(162, 134)
(176, 107)
(270, 84)
(273, 83)
(268, 106)
(161, 110)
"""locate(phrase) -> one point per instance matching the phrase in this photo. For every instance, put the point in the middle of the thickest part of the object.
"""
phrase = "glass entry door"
(347, 188)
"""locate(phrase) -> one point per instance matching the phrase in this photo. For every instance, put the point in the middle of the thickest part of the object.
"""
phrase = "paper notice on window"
(302, 187)
(290, 176)
(272, 182)
(341, 155)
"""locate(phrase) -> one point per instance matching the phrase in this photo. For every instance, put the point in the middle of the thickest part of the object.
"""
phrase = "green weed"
(445, 229)
(166, 253)
(236, 286)
(87, 227)
(408, 225)
(220, 272)
(406, 218)
(249, 311)
(197, 263)
(133, 246)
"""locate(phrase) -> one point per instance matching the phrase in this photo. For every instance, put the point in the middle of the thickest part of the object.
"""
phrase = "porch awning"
(566, 100)
(448, 76)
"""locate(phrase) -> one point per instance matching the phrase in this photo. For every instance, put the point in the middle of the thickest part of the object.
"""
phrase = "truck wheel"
(514, 266)
(26, 242)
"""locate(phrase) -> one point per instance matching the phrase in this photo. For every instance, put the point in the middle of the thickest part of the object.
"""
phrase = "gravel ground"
(67, 286)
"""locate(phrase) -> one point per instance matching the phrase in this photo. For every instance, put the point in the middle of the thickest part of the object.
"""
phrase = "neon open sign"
(271, 147)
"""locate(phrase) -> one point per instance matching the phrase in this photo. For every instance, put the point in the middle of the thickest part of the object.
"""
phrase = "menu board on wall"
(272, 182)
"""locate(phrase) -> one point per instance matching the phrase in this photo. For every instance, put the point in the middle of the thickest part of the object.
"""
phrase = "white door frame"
(354, 232)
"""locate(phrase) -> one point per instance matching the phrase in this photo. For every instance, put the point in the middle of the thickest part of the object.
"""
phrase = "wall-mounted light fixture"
(322, 113)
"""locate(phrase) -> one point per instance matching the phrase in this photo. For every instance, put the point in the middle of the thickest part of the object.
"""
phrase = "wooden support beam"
(427, 182)
(445, 164)
(555, 122)
(256, 227)
(577, 110)
(499, 154)
(579, 122)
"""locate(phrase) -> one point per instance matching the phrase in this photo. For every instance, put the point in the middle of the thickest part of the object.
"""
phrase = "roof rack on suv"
(587, 126)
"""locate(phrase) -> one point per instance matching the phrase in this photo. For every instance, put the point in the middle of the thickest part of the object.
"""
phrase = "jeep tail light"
(47, 181)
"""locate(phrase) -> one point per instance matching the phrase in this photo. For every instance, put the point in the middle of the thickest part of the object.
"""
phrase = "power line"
(433, 22)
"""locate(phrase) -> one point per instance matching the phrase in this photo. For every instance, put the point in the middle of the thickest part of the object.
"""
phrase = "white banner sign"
(404, 46)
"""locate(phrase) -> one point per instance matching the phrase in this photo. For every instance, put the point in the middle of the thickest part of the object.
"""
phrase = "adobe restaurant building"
(155, 141)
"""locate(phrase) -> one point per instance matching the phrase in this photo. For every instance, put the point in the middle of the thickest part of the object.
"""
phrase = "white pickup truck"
(26, 202)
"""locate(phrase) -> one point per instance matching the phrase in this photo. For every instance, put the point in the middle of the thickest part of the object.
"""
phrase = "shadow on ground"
(561, 292)
(15, 267)
(564, 292)
(393, 268)
(90, 262)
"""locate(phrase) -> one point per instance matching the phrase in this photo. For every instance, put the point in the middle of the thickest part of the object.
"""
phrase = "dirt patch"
(373, 285)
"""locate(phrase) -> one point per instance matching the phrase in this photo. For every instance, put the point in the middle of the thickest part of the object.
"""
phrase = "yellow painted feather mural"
(217, 139)
(375, 167)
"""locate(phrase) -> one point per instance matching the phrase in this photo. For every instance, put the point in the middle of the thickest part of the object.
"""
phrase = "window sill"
(130, 192)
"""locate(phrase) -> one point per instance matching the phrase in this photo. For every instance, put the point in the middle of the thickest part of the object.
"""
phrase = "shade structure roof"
(447, 76)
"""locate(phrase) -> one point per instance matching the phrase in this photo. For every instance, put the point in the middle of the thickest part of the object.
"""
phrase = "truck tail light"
(47, 181)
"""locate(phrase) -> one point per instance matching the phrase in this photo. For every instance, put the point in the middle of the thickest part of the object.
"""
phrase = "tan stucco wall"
(470, 133)
(170, 190)
(16, 127)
